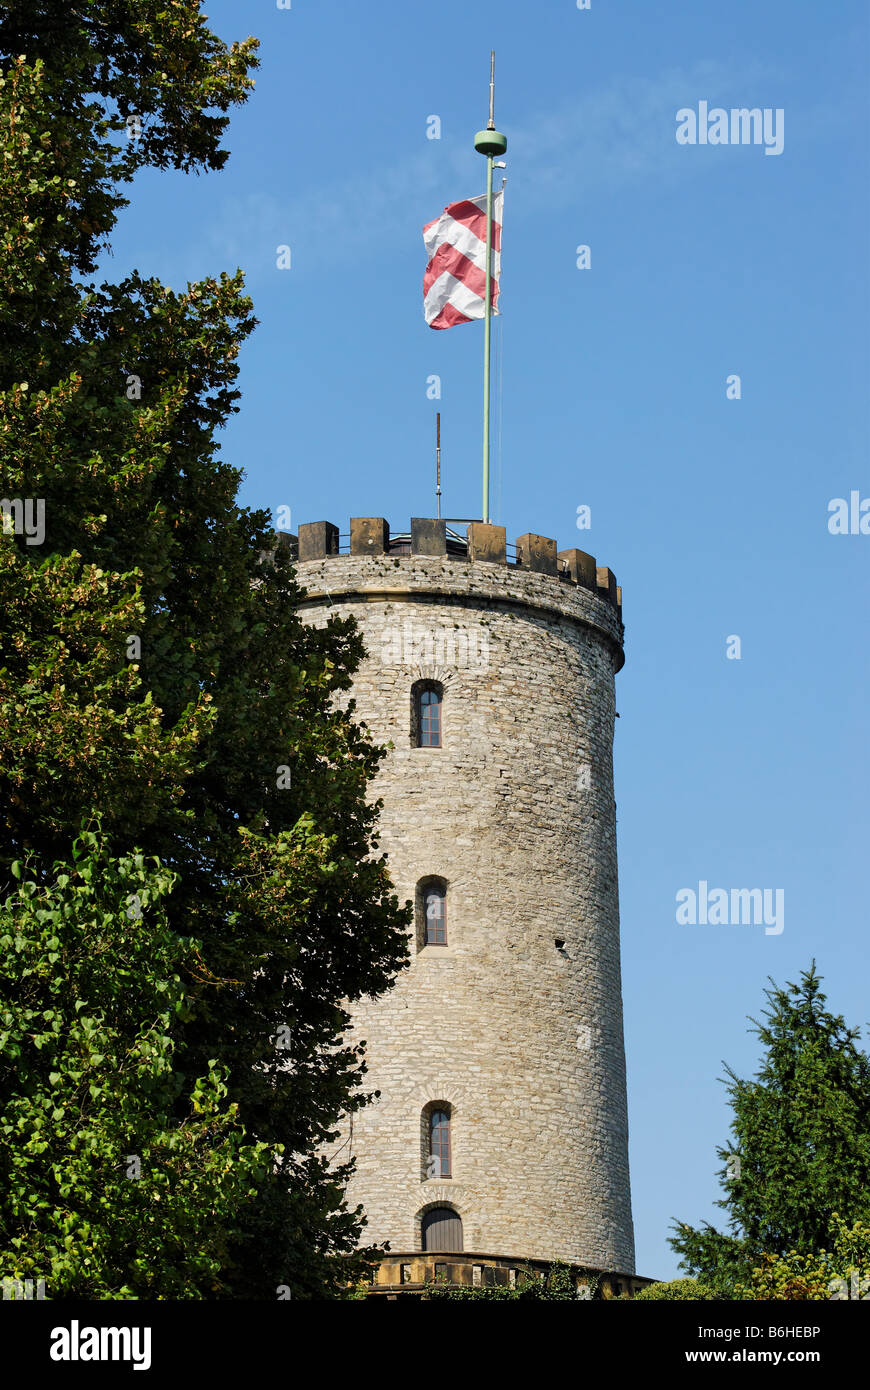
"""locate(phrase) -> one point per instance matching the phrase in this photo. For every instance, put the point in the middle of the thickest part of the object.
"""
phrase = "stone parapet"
(320, 540)
(446, 581)
(407, 1274)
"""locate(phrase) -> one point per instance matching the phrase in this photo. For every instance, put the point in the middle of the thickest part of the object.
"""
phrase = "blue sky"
(705, 261)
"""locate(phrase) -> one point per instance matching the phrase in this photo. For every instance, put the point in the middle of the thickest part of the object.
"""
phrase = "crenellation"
(537, 553)
(369, 535)
(580, 567)
(429, 538)
(317, 539)
(605, 581)
(487, 542)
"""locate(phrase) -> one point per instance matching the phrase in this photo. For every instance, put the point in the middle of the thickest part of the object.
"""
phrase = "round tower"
(501, 1132)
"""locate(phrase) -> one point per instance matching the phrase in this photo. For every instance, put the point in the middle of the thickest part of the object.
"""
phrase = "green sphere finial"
(490, 142)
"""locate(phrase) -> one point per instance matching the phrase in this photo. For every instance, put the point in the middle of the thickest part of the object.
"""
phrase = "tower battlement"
(431, 537)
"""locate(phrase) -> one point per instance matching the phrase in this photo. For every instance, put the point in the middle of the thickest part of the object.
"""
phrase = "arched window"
(426, 714)
(438, 1165)
(441, 1229)
(435, 914)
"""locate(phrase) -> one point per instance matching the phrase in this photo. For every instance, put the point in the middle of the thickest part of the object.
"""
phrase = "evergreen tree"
(155, 676)
(800, 1154)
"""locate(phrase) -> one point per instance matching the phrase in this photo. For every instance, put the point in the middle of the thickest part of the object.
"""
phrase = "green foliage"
(75, 729)
(673, 1289)
(110, 400)
(840, 1272)
(90, 986)
(556, 1285)
(111, 59)
(801, 1142)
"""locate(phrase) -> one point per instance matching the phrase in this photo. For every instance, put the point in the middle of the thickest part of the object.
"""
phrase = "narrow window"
(439, 1144)
(427, 714)
(435, 908)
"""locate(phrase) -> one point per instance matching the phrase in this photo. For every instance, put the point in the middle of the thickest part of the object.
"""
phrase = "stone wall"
(515, 1024)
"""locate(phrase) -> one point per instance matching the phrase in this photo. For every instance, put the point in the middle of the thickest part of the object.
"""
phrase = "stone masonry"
(516, 1024)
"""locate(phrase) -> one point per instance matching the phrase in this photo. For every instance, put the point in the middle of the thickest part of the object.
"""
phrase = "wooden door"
(442, 1229)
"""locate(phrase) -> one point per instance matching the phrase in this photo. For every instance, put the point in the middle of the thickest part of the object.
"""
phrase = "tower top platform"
(432, 537)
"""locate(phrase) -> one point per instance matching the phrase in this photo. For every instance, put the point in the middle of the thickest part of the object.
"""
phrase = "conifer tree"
(800, 1154)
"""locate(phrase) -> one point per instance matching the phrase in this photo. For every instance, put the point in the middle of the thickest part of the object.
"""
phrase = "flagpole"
(487, 339)
(489, 142)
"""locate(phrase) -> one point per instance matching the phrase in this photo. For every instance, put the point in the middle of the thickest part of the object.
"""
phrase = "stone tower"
(500, 1136)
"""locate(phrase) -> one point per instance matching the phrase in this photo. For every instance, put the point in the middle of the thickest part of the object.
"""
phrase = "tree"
(841, 1271)
(801, 1147)
(151, 649)
(104, 1193)
(676, 1289)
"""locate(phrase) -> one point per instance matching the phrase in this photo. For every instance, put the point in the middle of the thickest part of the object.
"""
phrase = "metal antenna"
(438, 461)
(490, 125)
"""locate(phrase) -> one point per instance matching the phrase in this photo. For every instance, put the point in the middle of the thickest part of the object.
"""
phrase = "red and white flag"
(455, 279)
